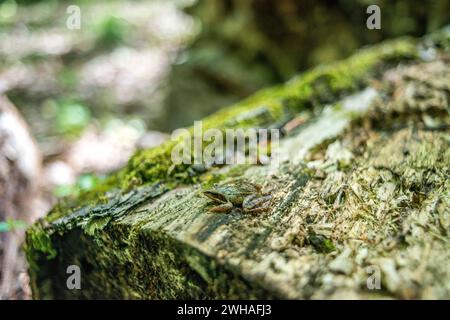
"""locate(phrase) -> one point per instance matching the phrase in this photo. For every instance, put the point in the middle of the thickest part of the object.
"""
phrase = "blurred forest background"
(75, 104)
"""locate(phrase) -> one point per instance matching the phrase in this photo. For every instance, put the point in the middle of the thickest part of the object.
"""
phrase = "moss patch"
(310, 90)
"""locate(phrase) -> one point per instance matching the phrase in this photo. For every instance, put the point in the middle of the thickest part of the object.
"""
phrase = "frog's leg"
(254, 204)
(222, 208)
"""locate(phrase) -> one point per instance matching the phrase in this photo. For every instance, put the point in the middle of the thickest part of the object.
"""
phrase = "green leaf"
(10, 225)
(4, 226)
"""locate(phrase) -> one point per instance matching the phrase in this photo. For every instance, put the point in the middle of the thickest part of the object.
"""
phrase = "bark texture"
(360, 195)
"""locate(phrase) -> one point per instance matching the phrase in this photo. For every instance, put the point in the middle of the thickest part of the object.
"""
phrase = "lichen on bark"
(362, 183)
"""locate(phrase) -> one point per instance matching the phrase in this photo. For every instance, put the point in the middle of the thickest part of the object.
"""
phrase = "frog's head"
(215, 195)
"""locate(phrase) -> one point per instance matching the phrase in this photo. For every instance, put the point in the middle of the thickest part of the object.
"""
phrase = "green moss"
(321, 85)
(40, 241)
(71, 203)
(321, 243)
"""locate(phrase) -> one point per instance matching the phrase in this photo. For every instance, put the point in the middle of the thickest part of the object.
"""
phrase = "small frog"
(238, 193)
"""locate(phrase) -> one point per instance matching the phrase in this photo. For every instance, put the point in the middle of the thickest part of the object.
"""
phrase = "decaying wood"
(360, 191)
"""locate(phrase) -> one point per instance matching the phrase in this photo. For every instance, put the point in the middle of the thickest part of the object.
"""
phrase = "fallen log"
(359, 198)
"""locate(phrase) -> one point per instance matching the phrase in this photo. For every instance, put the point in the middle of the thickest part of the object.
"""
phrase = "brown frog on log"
(240, 194)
